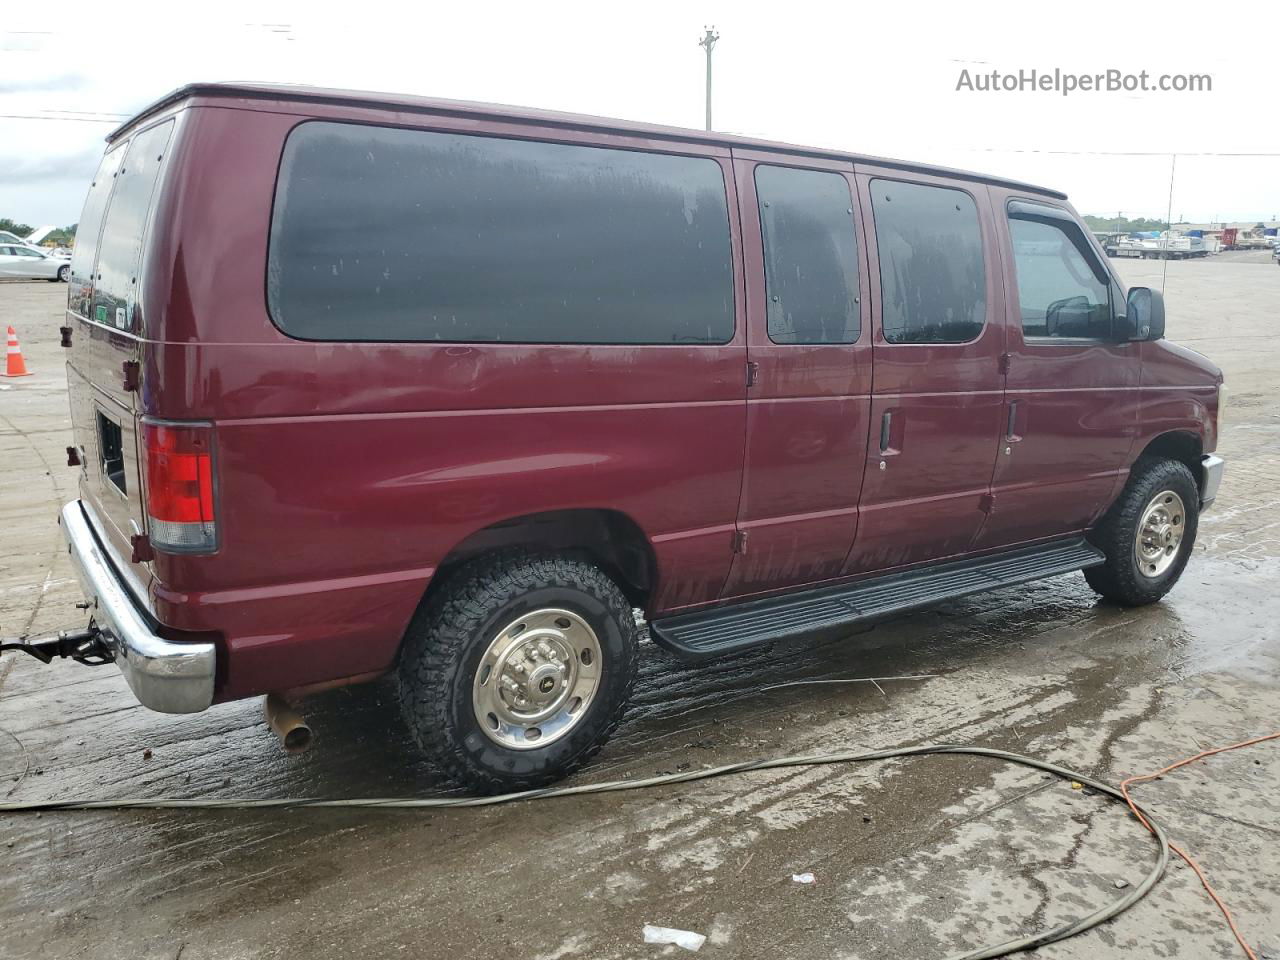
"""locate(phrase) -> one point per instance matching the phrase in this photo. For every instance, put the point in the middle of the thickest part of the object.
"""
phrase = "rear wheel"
(518, 670)
(64, 273)
(1148, 533)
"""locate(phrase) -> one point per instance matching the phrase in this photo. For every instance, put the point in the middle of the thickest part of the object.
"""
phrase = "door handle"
(885, 425)
(1010, 432)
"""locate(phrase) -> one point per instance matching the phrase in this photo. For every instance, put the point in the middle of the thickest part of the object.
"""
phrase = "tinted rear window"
(933, 284)
(120, 248)
(85, 253)
(389, 234)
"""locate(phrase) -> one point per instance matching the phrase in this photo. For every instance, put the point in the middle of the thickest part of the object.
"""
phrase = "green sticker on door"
(100, 314)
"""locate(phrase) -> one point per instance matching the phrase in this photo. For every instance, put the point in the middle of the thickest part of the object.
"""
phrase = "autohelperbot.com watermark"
(1066, 82)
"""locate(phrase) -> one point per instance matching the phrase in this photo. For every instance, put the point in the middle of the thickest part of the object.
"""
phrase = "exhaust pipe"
(287, 724)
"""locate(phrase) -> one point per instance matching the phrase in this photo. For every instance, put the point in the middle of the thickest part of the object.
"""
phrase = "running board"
(711, 633)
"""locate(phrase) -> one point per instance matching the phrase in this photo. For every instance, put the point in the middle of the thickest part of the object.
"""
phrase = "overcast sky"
(878, 79)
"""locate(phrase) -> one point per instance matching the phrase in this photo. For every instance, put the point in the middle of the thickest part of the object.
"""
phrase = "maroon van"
(365, 384)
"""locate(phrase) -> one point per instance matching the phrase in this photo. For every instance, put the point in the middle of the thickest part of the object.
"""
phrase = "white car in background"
(31, 242)
(20, 262)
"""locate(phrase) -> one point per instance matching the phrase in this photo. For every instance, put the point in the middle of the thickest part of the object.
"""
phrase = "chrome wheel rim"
(1160, 533)
(536, 679)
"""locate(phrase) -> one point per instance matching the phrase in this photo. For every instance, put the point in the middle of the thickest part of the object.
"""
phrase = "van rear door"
(106, 340)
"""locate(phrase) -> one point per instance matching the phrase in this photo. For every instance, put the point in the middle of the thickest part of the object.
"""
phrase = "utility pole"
(709, 42)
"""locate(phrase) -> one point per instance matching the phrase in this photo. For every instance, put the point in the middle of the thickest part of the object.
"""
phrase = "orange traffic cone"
(14, 365)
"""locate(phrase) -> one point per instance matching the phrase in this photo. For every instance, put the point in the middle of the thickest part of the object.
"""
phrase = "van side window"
(933, 281)
(810, 255)
(1059, 294)
(386, 234)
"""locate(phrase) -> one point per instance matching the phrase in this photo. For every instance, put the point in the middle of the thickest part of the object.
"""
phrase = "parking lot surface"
(911, 858)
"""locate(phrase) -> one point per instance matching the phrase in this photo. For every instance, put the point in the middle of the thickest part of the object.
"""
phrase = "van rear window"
(388, 234)
(85, 254)
(120, 247)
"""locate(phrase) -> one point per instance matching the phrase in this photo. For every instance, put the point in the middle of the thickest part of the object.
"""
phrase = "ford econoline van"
(369, 384)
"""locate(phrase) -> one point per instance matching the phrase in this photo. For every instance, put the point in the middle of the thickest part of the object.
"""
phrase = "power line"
(33, 116)
(1122, 153)
(93, 113)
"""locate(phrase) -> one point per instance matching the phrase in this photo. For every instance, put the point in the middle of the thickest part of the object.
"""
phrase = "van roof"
(298, 93)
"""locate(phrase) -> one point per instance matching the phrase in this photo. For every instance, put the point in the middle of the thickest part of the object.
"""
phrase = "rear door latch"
(132, 374)
(142, 550)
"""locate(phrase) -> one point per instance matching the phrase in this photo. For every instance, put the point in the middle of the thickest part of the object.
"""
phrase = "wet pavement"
(913, 858)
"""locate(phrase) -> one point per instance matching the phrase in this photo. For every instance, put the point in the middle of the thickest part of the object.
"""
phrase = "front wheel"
(518, 670)
(1148, 534)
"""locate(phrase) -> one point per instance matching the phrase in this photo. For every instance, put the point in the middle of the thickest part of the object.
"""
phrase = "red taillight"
(180, 501)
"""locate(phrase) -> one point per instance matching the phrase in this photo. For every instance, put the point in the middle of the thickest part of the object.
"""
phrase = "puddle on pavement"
(1017, 669)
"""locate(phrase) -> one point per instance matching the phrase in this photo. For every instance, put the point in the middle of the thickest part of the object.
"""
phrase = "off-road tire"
(1119, 578)
(450, 633)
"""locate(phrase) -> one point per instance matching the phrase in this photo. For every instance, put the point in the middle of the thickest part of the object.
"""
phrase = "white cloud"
(873, 79)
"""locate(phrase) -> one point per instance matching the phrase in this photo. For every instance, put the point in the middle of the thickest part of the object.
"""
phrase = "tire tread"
(1118, 579)
(445, 626)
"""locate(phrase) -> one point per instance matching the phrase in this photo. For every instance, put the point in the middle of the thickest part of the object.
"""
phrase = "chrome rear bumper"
(1210, 476)
(165, 676)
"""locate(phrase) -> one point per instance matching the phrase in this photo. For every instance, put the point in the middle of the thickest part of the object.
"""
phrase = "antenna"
(709, 42)
(1168, 227)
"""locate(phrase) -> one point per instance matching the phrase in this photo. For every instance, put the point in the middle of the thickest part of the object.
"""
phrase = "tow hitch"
(82, 646)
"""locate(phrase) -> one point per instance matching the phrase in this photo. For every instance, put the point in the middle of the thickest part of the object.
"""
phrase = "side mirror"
(1144, 314)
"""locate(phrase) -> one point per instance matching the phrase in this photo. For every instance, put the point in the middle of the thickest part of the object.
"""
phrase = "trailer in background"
(1160, 247)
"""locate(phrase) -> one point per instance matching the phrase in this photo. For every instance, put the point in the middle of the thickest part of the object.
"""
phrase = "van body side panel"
(348, 471)
(1073, 406)
(925, 489)
(1179, 394)
(806, 422)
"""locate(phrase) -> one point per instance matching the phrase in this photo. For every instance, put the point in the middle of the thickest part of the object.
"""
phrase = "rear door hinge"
(132, 373)
(1004, 363)
(739, 541)
(66, 336)
(142, 552)
(987, 503)
(753, 373)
